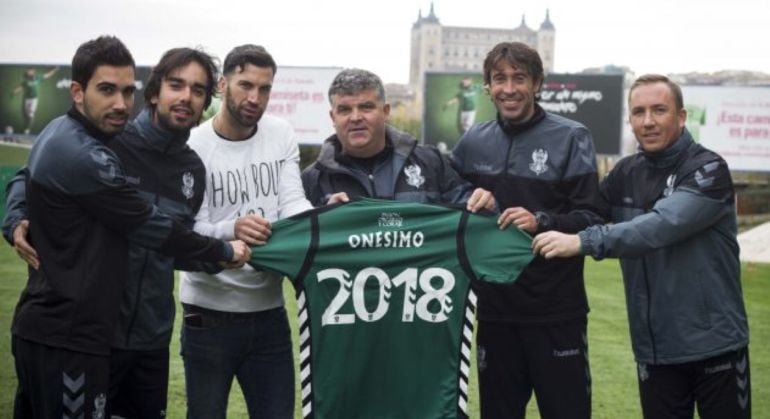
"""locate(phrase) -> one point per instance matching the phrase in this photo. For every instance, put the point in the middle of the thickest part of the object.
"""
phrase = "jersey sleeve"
(290, 249)
(493, 255)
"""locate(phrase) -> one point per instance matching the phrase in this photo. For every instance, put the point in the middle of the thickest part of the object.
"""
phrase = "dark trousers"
(550, 359)
(720, 387)
(255, 348)
(139, 383)
(58, 383)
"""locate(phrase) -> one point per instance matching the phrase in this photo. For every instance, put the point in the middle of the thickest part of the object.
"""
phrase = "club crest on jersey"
(188, 181)
(670, 184)
(414, 175)
(539, 157)
(390, 219)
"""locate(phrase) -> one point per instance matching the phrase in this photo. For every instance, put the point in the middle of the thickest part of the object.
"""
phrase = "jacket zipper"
(370, 176)
(508, 155)
(649, 310)
(130, 328)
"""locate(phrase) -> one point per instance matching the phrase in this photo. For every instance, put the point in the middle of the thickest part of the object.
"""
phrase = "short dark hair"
(104, 50)
(174, 59)
(248, 54)
(517, 54)
(659, 78)
(354, 80)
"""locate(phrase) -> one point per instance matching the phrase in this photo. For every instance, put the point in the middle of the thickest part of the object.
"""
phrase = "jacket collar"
(90, 128)
(331, 155)
(514, 129)
(157, 137)
(670, 155)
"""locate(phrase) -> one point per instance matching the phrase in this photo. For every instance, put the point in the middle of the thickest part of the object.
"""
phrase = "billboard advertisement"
(299, 96)
(732, 121)
(454, 101)
(32, 95)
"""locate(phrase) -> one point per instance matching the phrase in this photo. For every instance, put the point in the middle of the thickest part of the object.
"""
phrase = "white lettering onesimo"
(387, 239)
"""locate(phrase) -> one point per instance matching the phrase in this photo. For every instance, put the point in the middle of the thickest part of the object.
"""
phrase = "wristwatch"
(543, 221)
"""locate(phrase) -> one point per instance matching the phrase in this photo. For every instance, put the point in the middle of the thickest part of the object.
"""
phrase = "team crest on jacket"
(414, 175)
(670, 185)
(188, 181)
(539, 157)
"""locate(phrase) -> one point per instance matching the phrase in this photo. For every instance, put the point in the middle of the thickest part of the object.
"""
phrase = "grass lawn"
(612, 367)
(11, 155)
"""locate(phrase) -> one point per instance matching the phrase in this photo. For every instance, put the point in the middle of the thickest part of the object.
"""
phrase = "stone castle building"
(436, 47)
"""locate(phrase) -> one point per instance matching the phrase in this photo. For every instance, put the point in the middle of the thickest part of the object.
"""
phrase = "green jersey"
(385, 303)
(30, 86)
(467, 97)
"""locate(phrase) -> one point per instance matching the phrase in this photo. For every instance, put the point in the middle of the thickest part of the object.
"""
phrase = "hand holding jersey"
(252, 229)
(519, 217)
(553, 244)
(481, 199)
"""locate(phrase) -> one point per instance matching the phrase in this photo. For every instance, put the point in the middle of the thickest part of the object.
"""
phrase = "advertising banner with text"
(300, 96)
(32, 95)
(732, 121)
(455, 101)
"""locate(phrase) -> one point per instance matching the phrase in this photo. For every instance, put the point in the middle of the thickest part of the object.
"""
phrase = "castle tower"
(425, 47)
(546, 37)
(435, 47)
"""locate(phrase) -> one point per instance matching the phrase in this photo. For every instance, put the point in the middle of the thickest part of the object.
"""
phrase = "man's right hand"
(22, 246)
(241, 254)
(337, 198)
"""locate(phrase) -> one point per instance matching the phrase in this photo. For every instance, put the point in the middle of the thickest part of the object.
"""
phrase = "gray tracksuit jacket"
(675, 234)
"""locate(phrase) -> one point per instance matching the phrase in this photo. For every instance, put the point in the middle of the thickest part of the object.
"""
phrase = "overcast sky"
(648, 36)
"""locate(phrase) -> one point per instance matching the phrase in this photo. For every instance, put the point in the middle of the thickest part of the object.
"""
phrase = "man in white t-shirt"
(235, 324)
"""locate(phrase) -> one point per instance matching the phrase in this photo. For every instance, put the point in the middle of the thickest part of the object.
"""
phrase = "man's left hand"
(481, 199)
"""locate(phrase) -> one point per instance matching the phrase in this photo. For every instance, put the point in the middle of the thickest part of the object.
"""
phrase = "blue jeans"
(253, 347)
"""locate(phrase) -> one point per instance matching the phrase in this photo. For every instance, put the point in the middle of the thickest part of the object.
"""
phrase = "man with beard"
(166, 171)
(82, 212)
(235, 324)
(158, 162)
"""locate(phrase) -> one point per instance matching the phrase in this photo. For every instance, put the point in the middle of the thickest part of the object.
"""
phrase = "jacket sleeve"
(106, 195)
(454, 189)
(15, 203)
(313, 191)
(291, 194)
(581, 183)
(697, 203)
(190, 265)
